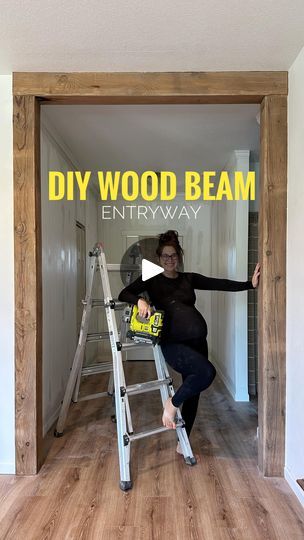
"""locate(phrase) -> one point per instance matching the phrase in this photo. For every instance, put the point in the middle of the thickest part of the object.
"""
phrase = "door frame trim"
(30, 90)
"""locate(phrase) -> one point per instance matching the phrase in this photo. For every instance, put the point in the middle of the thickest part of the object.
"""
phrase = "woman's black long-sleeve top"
(176, 297)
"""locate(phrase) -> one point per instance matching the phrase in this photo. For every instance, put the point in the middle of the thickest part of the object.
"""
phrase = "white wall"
(229, 310)
(60, 273)
(7, 374)
(294, 461)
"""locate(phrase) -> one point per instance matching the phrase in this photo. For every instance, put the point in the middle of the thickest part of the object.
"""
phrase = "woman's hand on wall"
(256, 276)
(144, 309)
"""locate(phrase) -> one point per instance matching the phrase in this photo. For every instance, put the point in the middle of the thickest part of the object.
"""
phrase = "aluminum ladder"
(117, 382)
(78, 370)
(163, 383)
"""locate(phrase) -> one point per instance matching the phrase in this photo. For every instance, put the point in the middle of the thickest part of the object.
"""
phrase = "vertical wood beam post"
(272, 289)
(28, 284)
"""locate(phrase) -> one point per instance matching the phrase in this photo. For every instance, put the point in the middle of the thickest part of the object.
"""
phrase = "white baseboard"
(294, 486)
(227, 381)
(50, 421)
(7, 468)
(242, 395)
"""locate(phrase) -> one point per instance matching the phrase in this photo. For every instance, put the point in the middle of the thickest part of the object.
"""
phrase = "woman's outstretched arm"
(217, 284)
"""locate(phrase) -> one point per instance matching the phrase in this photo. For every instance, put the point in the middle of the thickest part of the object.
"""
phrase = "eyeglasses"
(167, 257)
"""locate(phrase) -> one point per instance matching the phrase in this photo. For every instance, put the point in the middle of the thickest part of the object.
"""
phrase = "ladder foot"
(125, 485)
(190, 461)
(58, 433)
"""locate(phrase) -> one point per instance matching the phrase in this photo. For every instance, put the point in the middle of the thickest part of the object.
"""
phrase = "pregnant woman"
(184, 335)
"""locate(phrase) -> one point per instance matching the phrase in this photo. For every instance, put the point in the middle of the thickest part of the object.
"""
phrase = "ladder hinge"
(122, 391)
(118, 345)
(126, 440)
(112, 304)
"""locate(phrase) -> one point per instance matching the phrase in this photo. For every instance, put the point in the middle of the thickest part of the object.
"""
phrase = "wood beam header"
(203, 87)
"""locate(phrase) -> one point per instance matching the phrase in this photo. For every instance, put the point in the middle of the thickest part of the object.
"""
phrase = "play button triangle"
(150, 269)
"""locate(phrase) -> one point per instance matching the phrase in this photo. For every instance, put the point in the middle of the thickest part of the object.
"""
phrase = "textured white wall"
(7, 375)
(60, 274)
(295, 280)
(229, 310)
(136, 36)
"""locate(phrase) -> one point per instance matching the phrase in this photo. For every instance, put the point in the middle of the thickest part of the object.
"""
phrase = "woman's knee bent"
(207, 375)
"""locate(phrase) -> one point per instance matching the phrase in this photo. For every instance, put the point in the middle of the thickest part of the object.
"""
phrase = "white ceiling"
(154, 137)
(141, 35)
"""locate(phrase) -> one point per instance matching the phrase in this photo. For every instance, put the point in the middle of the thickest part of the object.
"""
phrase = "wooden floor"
(76, 495)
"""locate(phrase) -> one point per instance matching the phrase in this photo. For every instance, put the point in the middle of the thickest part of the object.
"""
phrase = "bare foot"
(169, 414)
(178, 449)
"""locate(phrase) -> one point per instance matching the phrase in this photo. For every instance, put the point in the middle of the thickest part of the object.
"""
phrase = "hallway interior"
(76, 494)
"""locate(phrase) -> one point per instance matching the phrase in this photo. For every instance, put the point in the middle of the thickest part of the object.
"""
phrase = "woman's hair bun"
(169, 236)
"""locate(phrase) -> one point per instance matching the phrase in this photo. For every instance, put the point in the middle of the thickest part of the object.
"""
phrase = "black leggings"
(191, 361)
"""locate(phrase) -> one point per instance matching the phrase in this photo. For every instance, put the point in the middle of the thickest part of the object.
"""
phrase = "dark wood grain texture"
(153, 87)
(272, 289)
(28, 284)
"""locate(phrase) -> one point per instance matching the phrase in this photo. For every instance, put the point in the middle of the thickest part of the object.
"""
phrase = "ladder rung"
(100, 303)
(98, 336)
(93, 396)
(149, 386)
(155, 431)
(119, 305)
(133, 345)
(102, 367)
(97, 302)
(123, 267)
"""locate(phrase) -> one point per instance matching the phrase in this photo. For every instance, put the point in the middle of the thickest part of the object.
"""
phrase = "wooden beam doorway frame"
(269, 89)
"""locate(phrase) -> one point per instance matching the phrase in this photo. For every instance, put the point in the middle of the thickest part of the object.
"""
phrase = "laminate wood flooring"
(76, 495)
